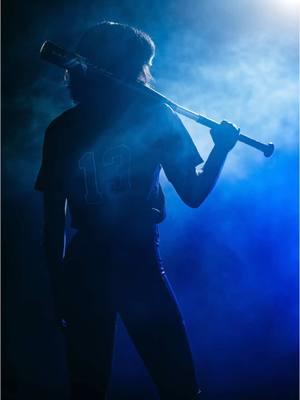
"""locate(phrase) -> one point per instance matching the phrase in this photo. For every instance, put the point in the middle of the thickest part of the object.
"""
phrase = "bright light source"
(290, 6)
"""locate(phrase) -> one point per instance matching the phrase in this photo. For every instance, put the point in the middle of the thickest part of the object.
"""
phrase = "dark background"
(233, 263)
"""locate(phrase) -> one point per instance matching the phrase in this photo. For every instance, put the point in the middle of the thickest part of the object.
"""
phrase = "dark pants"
(121, 275)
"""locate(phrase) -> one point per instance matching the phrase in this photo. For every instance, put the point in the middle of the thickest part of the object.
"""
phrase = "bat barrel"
(62, 58)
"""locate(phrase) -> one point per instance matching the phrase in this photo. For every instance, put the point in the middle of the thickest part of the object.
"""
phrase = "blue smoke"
(233, 262)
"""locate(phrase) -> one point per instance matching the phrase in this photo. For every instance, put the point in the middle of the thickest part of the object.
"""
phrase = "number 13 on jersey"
(111, 172)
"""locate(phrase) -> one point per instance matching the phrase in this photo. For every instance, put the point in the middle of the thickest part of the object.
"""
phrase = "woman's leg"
(91, 321)
(152, 318)
(89, 352)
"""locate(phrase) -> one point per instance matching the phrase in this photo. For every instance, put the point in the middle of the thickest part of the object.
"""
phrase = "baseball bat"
(69, 60)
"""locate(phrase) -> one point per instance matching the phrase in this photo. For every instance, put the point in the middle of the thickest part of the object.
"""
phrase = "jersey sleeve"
(178, 151)
(50, 176)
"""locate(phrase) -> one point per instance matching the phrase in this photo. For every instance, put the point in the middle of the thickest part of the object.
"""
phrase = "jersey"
(106, 160)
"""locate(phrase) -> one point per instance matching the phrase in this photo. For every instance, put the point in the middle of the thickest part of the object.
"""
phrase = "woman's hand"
(225, 136)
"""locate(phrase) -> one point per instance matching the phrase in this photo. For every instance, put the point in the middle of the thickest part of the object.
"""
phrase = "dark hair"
(120, 49)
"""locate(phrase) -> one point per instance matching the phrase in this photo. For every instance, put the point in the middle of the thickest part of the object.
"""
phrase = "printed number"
(118, 160)
(88, 165)
(116, 164)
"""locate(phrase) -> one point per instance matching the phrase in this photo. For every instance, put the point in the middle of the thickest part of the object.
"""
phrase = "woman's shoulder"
(65, 119)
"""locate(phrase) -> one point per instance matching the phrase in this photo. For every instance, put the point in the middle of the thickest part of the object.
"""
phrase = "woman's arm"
(193, 187)
(54, 242)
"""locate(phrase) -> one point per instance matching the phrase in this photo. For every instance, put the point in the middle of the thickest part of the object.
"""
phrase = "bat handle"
(267, 149)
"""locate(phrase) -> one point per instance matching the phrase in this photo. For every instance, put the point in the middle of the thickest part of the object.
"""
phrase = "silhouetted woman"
(103, 158)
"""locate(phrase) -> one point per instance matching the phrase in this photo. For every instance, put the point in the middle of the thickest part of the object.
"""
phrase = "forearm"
(54, 232)
(225, 136)
(54, 243)
(209, 174)
(201, 184)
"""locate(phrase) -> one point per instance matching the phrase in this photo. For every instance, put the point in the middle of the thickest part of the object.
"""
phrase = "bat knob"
(269, 150)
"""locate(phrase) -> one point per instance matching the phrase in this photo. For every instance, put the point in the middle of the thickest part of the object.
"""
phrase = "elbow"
(194, 202)
(196, 196)
(194, 192)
